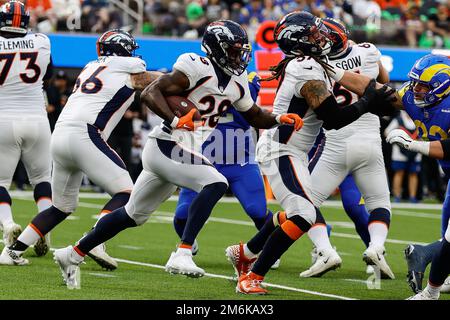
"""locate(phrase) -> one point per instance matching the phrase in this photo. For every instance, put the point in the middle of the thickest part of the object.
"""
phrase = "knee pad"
(42, 190)
(118, 200)
(295, 227)
(380, 215)
(4, 196)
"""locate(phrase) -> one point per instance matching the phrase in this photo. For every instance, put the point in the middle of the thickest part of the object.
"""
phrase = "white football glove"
(404, 140)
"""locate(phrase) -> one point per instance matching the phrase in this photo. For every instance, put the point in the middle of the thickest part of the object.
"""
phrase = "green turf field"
(143, 251)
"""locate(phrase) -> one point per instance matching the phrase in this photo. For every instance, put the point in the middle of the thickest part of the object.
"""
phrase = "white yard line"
(219, 276)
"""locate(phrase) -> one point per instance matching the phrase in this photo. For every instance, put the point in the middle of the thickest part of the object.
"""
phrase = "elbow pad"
(336, 117)
(446, 148)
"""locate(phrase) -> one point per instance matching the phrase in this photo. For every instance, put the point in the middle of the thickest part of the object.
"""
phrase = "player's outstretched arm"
(327, 109)
(140, 81)
(262, 119)
(169, 84)
(357, 83)
(433, 149)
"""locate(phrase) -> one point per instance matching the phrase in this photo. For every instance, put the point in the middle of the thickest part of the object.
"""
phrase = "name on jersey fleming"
(16, 44)
(350, 63)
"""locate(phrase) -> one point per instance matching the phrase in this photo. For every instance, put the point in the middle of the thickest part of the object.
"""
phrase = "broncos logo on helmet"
(226, 44)
(301, 33)
(14, 18)
(430, 79)
(116, 42)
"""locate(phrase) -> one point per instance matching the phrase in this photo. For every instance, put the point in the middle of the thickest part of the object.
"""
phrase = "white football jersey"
(212, 94)
(102, 93)
(23, 64)
(361, 58)
(284, 140)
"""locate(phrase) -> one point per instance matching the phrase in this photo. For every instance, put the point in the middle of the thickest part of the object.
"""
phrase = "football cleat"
(446, 286)
(423, 295)
(250, 284)
(276, 265)
(195, 247)
(99, 255)
(327, 260)
(42, 246)
(314, 255)
(374, 256)
(241, 264)
(417, 264)
(69, 266)
(12, 258)
(180, 262)
(10, 233)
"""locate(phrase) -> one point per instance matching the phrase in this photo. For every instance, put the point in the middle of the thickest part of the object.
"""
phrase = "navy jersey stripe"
(289, 177)
(298, 106)
(175, 152)
(101, 144)
(112, 106)
(315, 158)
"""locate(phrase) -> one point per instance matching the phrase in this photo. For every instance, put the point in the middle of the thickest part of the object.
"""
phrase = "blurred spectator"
(404, 160)
(272, 11)
(57, 92)
(329, 9)
(196, 19)
(67, 14)
(216, 10)
(234, 7)
(106, 19)
(438, 28)
(413, 25)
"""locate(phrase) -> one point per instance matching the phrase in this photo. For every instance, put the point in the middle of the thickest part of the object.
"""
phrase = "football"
(181, 106)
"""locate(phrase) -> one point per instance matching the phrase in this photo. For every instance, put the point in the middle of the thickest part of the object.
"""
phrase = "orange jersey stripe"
(36, 229)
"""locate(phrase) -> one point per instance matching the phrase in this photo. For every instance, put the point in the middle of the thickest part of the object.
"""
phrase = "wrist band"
(422, 147)
(278, 118)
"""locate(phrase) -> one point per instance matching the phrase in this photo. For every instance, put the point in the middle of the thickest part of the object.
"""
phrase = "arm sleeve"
(446, 148)
(190, 65)
(335, 117)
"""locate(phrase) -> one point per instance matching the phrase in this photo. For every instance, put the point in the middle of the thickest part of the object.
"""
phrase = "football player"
(356, 150)
(101, 95)
(282, 153)
(231, 149)
(423, 98)
(25, 61)
(426, 98)
(172, 157)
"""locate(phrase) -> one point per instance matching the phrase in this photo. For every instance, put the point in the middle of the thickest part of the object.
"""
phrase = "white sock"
(76, 257)
(184, 251)
(378, 233)
(5, 214)
(433, 291)
(248, 253)
(319, 236)
(29, 236)
(43, 203)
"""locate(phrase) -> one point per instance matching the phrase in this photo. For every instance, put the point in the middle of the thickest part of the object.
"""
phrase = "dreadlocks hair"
(279, 69)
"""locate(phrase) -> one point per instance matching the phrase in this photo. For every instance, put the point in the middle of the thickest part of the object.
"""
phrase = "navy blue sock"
(106, 228)
(200, 210)
(46, 220)
(118, 200)
(179, 225)
(256, 243)
(440, 267)
(42, 190)
(4, 196)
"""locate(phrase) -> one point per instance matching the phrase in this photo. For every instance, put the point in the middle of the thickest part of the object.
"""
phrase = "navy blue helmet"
(14, 18)
(301, 33)
(226, 43)
(116, 42)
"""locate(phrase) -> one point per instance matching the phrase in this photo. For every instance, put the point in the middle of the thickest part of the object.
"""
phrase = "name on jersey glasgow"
(16, 44)
(349, 64)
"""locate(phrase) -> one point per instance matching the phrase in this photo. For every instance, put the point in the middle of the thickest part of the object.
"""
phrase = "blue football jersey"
(432, 123)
